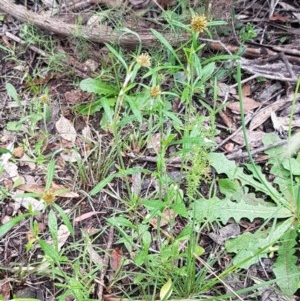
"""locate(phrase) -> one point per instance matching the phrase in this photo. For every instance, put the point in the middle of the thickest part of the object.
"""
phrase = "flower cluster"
(198, 23)
(155, 91)
(144, 60)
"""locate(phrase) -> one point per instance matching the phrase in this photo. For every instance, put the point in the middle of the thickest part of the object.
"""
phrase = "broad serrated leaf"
(260, 183)
(251, 247)
(215, 209)
(285, 269)
(256, 180)
(222, 165)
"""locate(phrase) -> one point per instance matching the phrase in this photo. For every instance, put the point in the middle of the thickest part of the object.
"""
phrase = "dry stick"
(248, 117)
(287, 64)
(105, 264)
(22, 42)
(103, 35)
(247, 120)
(256, 151)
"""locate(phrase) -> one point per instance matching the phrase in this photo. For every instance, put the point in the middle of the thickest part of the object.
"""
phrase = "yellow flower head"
(49, 196)
(44, 98)
(199, 23)
(144, 60)
(155, 91)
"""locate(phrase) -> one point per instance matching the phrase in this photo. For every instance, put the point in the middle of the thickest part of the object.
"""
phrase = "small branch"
(105, 263)
(22, 42)
(256, 151)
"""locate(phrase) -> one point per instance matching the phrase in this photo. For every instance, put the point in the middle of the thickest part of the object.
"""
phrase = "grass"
(147, 165)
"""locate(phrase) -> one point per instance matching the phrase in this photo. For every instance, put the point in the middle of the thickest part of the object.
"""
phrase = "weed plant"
(161, 227)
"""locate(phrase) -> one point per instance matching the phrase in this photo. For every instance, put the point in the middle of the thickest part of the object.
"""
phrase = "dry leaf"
(136, 180)
(153, 144)
(11, 169)
(281, 124)
(254, 138)
(18, 152)
(66, 129)
(293, 9)
(86, 216)
(166, 216)
(229, 231)
(70, 156)
(58, 190)
(87, 133)
(91, 65)
(246, 90)
(29, 202)
(95, 257)
(265, 113)
(5, 288)
(116, 259)
(249, 105)
(63, 234)
(227, 121)
(26, 160)
(224, 90)
(229, 147)
(75, 96)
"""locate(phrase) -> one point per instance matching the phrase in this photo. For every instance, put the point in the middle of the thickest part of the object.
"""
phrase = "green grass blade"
(50, 174)
(10, 224)
(164, 41)
(65, 218)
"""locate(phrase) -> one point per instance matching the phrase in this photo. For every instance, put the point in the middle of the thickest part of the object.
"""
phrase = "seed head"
(199, 23)
(44, 98)
(144, 60)
(49, 197)
(155, 91)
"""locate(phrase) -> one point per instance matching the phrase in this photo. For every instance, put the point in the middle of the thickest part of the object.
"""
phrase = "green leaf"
(166, 290)
(49, 250)
(207, 72)
(228, 187)
(65, 218)
(11, 223)
(97, 86)
(5, 151)
(292, 165)
(102, 184)
(120, 221)
(107, 110)
(146, 239)
(134, 108)
(215, 209)
(166, 43)
(12, 92)
(50, 174)
(256, 180)
(90, 109)
(285, 268)
(117, 55)
(222, 165)
(251, 247)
